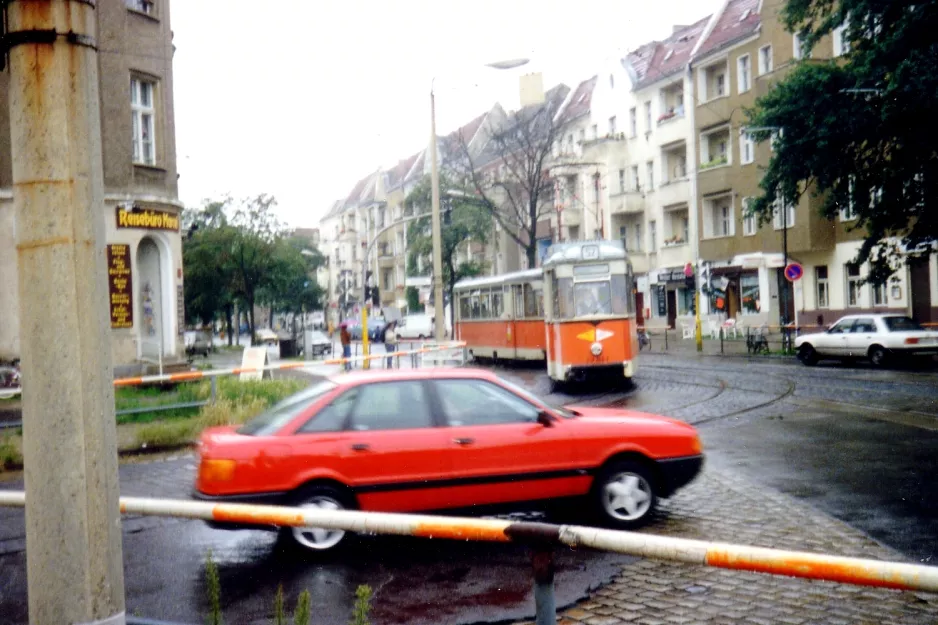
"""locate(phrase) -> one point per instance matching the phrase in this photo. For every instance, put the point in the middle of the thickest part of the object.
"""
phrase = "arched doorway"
(150, 295)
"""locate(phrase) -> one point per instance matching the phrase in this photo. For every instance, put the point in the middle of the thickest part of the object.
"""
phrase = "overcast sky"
(302, 98)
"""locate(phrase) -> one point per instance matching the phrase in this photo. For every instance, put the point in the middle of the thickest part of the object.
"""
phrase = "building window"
(797, 46)
(612, 125)
(621, 181)
(720, 85)
(749, 219)
(633, 122)
(853, 284)
(747, 148)
(653, 236)
(719, 220)
(648, 116)
(582, 134)
(635, 182)
(144, 112)
(783, 219)
(749, 294)
(144, 6)
(637, 230)
(823, 292)
(743, 74)
(685, 301)
(880, 294)
(624, 233)
(841, 44)
(849, 212)
(650, 165)
(765, 60)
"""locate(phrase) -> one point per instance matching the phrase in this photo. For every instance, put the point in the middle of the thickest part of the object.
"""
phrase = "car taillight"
(696, 446)
(911, 341)
(216, 470)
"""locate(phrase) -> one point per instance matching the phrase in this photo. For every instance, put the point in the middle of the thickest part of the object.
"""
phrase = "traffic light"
(375, 296)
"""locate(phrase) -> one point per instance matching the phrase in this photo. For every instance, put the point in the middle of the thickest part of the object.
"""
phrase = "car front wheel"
(807, 355)
(320, 498)
(624, 495)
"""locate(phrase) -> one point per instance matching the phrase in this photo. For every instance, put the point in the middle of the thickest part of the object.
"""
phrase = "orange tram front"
(590, 316)
(587, 328)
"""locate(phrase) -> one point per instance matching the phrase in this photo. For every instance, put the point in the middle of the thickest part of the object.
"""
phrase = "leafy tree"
(292, 287)
(208, 265)
(859, 130)
(466, 219)
(510, 176)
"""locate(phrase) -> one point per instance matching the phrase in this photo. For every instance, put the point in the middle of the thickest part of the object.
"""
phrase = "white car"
(877, 337)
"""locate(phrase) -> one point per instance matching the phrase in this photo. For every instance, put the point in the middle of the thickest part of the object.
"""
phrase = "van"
(415, 327)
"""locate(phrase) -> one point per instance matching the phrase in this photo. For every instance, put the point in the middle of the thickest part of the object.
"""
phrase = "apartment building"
(141, 206)
(745, 52)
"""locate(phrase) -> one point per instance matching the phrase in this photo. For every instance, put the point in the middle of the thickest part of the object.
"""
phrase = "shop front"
(670, 297)
(744, 288)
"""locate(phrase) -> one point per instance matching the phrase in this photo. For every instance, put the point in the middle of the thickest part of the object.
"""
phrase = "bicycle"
(644, 340)
(757, 342)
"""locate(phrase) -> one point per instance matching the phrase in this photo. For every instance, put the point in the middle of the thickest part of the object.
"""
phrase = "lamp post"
(439, 318)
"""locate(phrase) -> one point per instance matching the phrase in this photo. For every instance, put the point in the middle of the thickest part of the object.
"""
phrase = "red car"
(419, 440)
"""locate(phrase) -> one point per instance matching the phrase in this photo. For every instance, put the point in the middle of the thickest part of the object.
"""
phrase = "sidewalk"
(722, 506)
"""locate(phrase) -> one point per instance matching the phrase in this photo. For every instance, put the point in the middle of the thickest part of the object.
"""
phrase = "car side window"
(392, 406)
(864, 326)
(332, 417)
(842, 327)
(477, 402)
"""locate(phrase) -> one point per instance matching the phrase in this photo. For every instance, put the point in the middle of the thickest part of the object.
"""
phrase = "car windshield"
(902, 324)
(534, 400)
(278, 415)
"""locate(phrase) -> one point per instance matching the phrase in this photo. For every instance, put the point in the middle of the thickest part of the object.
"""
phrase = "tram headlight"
(596, 349)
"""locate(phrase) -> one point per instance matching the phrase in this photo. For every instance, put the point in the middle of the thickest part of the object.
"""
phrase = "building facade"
(141, 207)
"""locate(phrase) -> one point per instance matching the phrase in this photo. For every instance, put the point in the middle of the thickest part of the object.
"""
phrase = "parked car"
(876, 337)
(415, 327)
(375, 327)
(412, 440)
(198, 343)
(321, 345)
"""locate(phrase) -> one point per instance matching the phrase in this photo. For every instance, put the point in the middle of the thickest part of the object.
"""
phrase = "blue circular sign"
(793, 271)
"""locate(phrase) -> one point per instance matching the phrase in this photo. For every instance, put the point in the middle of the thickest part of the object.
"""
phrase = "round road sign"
(793, 272)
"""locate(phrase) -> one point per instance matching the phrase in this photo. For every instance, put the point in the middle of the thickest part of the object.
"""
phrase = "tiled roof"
(581, 100)
(398, 173)
(740, 19)
(337, 207)
(553, 97)
(659, 59)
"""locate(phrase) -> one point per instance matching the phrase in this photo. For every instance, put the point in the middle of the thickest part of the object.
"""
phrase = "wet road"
(857, 443)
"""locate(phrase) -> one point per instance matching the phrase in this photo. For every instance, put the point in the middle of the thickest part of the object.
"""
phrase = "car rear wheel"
(807, 355)
(878, 356)
(624, 495)
(320, 498)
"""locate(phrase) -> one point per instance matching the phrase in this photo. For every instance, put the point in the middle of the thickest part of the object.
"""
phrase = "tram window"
(485, 304)
(564, 302)
(593, 298)
(531, 307)
(539, 301)
(476, 306)
(465, 310)
(591, 270)
(621, 301)
(496, 304)
(518, 300)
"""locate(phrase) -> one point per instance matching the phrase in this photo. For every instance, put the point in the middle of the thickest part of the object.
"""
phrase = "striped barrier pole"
(189, 376)
(856, 571)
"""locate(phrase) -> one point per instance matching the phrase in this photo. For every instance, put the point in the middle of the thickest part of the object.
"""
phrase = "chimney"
(531, 89)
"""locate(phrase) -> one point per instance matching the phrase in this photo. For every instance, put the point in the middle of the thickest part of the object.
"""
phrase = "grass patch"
(10, 455)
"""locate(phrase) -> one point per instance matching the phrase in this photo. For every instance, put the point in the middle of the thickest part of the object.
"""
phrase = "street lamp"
(440, 322)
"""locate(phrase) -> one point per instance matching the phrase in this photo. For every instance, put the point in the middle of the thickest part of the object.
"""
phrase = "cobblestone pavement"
(721, 506)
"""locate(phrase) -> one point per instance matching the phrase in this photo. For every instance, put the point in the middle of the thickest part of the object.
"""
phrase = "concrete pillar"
(73, 534)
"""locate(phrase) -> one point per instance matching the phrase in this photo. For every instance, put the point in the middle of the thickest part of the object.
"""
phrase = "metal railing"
(544, 538)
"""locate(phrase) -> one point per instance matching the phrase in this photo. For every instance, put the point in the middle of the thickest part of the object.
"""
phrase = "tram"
(588, 326)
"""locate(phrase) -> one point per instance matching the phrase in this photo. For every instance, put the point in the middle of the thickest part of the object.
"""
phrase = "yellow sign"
(120, 285)
(147, 219)
(595, 335)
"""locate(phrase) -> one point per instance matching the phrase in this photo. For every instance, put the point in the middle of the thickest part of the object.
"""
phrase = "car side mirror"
(545, 419)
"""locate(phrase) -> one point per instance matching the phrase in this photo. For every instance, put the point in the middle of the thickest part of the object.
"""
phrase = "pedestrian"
(346, 340)
(390, 341)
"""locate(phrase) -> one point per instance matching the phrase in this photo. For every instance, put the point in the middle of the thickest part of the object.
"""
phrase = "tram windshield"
(591, 298)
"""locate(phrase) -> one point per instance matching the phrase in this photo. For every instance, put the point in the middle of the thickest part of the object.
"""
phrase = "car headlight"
(596, 349)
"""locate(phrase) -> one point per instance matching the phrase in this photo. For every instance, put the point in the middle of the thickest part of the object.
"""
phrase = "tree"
(858, 131)
(292, 288)
(466, 219)
(208, 265)
(510, 176)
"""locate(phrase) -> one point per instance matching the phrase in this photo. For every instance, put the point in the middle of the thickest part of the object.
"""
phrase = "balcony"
(672, 127)
(629, 202)
(673, 192)
(572, 216)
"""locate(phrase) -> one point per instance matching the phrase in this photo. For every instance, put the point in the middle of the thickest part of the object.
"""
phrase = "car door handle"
(464, 441)
(361, 447)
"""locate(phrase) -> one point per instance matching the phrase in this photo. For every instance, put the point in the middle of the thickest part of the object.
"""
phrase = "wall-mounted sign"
(120, 286)
(146, 219)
